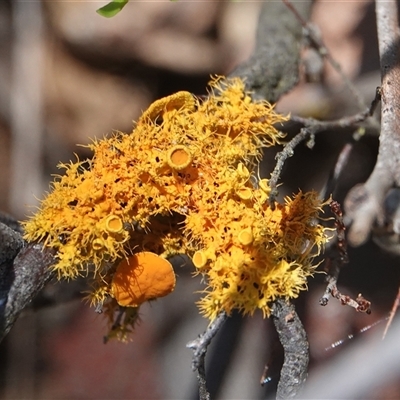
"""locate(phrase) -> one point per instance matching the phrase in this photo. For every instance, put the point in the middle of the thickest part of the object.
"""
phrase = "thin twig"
(339, 167)
(311, 128)
(340, 233)
(392, 314)
(331, 279)
(316, 41)
(360, 304)
(281, 158)
(199, 347)
(334, 266)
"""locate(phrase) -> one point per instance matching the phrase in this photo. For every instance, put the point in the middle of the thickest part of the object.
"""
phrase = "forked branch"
(364, 203)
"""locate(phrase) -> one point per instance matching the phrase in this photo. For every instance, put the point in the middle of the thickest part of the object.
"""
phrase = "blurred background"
(68, 76)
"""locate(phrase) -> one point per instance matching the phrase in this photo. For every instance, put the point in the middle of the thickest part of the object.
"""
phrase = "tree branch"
(199, 347)
(311, 128)
(295, 344)
(364, 203)
(21, 278)
(315, 39)
(273, 68)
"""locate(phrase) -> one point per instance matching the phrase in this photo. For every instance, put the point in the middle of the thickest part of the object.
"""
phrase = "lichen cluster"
(183, 182)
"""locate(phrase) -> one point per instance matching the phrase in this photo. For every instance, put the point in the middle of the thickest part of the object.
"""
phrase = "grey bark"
(273, 68)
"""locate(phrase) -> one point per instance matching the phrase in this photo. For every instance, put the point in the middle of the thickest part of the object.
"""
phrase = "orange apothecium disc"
(143, 276)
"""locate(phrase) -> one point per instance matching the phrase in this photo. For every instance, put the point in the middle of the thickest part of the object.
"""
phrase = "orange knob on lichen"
(261, 196)
(97, 244)
(243, 171)
(199, 259)
(244, 193)
(177, 101)
(246, 237)
(179, 157)
(114, 224)
(263, 184)
(142, 277)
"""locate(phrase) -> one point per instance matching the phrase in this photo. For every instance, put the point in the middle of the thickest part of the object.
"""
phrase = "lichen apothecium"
(182, 182)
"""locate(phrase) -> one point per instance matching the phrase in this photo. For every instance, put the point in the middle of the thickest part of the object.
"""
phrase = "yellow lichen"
(199, 259)
(243, 172)
(244, 193)
(97, 244)
(114, 224)
(179, 157)
(246, 236)
(263, 185)
(182, 182)
(177, 101)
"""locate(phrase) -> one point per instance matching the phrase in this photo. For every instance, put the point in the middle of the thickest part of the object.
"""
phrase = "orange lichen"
(182, 182)
(97, 244)
(179, 157)
(141, 277)
(244, 193)
(263, 185)
(114, 224)
(177, 101)
(242, 171)
(199, 259)
(246, 236)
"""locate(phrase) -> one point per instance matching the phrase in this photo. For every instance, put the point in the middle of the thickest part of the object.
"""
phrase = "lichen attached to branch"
(182, 182)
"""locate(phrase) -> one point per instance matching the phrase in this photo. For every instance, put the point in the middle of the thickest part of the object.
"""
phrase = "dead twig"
(392, 314)
(315, 39)
(334, 265)
(360, 304)
(339, 167)
(311, 128)
(199, 347)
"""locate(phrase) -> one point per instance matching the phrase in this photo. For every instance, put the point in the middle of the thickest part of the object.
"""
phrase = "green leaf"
(111, 9)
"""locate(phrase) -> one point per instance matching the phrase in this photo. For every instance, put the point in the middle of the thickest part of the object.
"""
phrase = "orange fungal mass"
(141, 277)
